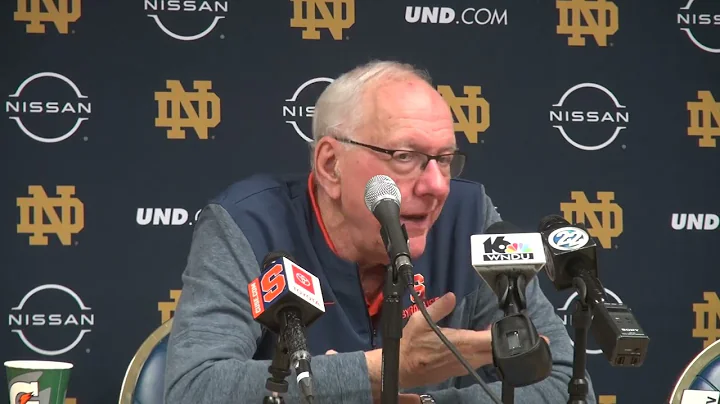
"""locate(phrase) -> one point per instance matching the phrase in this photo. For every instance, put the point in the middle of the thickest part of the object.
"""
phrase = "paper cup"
(37, 382)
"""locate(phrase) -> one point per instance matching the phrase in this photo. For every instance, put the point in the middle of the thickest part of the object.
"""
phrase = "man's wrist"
(408, 399)
(374, 366)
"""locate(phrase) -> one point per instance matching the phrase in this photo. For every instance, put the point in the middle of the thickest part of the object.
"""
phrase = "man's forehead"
(410, 94)
(396, 109)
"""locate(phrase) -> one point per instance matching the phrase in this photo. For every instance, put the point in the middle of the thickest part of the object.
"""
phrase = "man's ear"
(327, 167)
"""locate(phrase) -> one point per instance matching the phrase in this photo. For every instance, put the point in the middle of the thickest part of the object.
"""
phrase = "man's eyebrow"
(410, 145)
(449, 149)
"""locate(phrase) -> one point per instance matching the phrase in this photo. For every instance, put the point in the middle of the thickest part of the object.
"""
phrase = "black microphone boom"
(287, 314)
(572, 262)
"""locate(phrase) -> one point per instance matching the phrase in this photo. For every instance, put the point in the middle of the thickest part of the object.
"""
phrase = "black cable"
(421, 305)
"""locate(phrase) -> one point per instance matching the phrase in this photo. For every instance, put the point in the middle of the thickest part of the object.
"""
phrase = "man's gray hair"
(340, 106)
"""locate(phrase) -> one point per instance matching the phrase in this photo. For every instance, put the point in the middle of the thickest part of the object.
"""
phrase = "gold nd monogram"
(605, 218)
(202, 118)
(63, 225)
(707, 315)
(167, 309)
(471, 123)
(334, 20)
(702, 114)
(59, 12)
(573, 12)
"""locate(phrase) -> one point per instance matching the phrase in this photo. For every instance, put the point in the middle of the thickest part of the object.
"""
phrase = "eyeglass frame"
(391, 153)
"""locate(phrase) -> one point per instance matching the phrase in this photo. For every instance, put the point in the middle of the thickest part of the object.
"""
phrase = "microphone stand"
(519, 354)
(581, 320)
(391, 320)
(392, 332)
(279, 369)
(512, 302)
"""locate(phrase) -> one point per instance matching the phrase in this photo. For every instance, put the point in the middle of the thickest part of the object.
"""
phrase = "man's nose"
(432, 180)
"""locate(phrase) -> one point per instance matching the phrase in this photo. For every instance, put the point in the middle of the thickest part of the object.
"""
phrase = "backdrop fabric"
(122, 118)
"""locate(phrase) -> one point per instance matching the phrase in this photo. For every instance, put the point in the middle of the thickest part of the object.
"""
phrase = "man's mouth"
(416, 219)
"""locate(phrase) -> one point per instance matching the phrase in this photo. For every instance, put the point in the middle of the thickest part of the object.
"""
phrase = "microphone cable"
(421, 305)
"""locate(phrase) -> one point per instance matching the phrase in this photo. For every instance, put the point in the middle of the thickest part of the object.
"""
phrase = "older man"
(380, 118)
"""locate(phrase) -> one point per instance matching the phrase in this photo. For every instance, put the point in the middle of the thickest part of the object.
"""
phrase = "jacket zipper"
(373, 331)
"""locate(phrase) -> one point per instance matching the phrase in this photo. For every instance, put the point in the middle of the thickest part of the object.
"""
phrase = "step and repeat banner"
(121, 118)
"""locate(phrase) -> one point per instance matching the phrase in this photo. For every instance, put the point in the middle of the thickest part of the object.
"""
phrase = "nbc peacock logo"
(518, 248)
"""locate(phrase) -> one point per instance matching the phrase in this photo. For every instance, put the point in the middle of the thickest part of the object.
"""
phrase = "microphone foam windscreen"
(550, 221)
(378, 188)
(273, 255)
(502, 227)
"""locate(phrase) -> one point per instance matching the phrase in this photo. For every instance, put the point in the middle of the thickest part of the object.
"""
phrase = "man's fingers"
(473, 341)
(476, 361)
(442, 307)
(408, 398)
(330, 352)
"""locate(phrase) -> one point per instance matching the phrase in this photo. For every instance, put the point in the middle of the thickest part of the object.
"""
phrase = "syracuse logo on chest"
(419, 286)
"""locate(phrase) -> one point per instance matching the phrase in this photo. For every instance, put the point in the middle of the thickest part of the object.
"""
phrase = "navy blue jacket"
(218, 354)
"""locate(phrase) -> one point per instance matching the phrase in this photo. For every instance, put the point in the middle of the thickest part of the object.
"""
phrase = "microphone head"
(503, 250)
(502, 227)
(567, 246)
(552, 221)
(281, 284)
(274, 255)
(380, 188)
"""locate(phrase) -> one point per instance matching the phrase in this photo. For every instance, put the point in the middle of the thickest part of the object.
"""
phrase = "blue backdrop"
(123, 117)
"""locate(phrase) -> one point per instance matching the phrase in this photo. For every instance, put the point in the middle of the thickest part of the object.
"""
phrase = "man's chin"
(417, 245)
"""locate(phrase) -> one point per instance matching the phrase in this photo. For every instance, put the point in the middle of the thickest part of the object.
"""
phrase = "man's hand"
(408, 399)
(424, 359)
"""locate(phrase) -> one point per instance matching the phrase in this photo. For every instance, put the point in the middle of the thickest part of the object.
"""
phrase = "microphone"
(507, 260)
(285, 299)
(505, 250)
(573, 262)
(382, 198)
(571, 251)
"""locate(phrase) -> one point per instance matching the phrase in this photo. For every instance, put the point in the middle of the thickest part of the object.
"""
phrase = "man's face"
(407, 115)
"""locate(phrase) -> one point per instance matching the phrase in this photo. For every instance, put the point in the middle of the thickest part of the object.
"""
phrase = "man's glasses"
(408, 161)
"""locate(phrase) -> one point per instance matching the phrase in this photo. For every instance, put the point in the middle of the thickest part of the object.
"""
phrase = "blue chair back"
(702, 373)
(145, 377)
